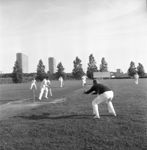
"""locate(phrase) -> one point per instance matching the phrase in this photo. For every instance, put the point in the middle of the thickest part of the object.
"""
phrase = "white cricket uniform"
(49, 87)
(33, 85)
(136, 77)
(84, 80)
(44, 88)
(61, 81)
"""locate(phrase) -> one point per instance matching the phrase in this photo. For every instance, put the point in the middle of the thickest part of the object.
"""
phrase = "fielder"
(84, 80)
(44, 88)
(104, 95)
(49, 86)
(61, 81)
(33, 85)
(136, 77)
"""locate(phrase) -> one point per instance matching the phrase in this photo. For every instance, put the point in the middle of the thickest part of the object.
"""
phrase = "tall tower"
(22, 61)
(52, 65)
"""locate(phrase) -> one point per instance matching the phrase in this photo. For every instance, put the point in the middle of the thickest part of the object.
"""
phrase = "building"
(101, 75)
(119, 74)
(52, 65)
(22, 61)
(119, 71)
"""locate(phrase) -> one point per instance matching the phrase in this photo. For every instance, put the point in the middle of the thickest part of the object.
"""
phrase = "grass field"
(69, 124)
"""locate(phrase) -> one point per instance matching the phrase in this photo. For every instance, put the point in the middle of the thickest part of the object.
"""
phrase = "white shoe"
(115, 115)
(96, 117)
(112, 114)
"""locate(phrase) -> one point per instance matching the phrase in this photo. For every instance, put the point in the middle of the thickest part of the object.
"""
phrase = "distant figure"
(136, 77)
(33, 84)
(84, 77)
(104, 95)
(44, 88)
(33, 87)
(49, 86)
(61, 81)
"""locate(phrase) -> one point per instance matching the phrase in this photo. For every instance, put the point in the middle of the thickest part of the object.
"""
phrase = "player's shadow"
(48, 116)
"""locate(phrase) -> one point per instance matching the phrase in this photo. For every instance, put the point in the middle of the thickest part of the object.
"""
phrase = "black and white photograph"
(73, 74)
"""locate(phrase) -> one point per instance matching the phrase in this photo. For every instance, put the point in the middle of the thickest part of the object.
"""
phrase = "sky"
(65, 29)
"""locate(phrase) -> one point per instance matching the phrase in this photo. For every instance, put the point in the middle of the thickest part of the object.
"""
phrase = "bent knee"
(94, 102)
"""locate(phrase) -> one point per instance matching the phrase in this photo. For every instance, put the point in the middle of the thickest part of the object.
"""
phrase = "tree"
(40, 71)
(60, 70)
(91, 67)
(78, 70)
(103, 65)
(140, 70)
(132, 69)
(17, 75)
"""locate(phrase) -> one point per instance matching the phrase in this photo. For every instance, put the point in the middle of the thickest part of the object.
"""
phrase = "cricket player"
(104, 94)
(84, 80)
(61, 81)
(33, 84)
(49, 86)
(44, 88)
(136, 77)
(33, 87)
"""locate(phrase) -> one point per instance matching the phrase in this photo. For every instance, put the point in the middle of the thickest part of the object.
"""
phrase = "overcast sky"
(64, 29)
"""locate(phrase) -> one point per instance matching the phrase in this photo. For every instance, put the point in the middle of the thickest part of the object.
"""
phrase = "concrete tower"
(52, 65)
(22, 61)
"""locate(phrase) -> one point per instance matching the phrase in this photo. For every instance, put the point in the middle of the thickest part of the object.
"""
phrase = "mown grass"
(70, 125)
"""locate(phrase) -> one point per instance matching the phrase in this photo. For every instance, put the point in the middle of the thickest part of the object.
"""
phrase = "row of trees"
(92, 67)
(133, 69)
(77, 71)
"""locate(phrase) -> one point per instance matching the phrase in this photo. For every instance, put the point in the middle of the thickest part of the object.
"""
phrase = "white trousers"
(33, 86)
(83, 83)
(136, 81)
(50, 90)
(105, 97)
(61, 83)
(43, 89)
